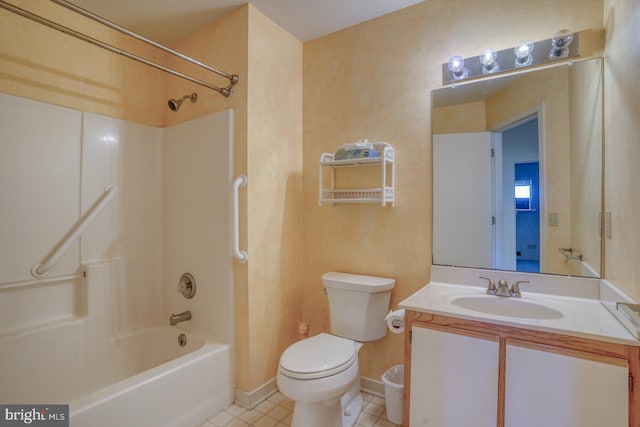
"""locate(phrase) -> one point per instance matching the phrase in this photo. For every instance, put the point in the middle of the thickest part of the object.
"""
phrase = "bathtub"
(144, 378)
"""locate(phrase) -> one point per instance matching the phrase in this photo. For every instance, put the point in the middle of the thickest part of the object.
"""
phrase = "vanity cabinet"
(454, 385)
(463, 372)
(547, 387)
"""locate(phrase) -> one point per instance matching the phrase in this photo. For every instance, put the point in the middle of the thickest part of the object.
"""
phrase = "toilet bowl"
(316, 372)
(320, 373)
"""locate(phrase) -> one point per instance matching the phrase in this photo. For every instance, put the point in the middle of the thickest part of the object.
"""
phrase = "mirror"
(517, 171)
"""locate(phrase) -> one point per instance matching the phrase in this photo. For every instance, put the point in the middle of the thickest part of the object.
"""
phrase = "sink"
(506, 306)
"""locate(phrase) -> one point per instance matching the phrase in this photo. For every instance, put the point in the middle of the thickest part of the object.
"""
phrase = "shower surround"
(82, 334)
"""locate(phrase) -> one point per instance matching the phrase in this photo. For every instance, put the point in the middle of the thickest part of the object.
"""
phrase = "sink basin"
(506, 306)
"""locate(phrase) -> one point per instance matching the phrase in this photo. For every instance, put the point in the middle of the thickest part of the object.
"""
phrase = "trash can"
(393, 381)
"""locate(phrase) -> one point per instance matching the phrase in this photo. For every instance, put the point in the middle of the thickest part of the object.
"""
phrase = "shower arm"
(226, 91)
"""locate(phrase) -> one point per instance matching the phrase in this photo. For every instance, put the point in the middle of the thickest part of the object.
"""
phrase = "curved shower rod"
(226, 91)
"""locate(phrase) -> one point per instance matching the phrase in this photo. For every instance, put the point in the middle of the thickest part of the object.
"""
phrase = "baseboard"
(251, 399)
(371, 386)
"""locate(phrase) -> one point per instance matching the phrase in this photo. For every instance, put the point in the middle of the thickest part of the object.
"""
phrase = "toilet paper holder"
(395, 320)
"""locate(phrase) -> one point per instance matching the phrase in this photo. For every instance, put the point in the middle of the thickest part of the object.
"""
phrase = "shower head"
(174, 104)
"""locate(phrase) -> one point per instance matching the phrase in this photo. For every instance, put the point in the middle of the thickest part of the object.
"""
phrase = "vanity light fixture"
(488, 60)
(456, 65)
(563, 45)
(560, 43)
(523, 51)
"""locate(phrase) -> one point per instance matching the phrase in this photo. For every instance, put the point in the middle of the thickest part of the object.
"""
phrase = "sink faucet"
(177, 318)
(502, 288)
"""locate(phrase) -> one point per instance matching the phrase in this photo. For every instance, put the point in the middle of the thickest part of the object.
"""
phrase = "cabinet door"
(549, 389)
(454, 379)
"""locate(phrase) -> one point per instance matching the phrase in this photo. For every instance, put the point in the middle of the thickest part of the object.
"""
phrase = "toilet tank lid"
(357, 282)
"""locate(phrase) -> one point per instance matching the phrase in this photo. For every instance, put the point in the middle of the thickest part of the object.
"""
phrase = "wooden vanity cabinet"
(468, 373)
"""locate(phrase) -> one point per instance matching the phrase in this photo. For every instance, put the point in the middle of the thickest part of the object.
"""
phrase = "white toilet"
(320, 373)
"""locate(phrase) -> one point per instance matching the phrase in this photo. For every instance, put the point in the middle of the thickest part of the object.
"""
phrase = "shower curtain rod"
(226, 91)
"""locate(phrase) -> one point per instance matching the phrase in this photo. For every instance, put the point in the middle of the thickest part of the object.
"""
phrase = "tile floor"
(277, 411)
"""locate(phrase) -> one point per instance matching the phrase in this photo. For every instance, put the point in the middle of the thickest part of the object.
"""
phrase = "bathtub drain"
(182, 340)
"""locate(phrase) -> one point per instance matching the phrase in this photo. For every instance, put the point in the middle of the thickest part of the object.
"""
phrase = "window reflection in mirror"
(479, 138)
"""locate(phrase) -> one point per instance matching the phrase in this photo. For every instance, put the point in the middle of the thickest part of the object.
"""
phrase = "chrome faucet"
(502, 288)
(177, 318)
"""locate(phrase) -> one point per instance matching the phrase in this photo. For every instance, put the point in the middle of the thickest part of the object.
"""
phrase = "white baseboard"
(251, 399)
(371, 386)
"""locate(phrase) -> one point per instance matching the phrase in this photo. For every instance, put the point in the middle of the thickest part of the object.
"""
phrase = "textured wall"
(622, 147)
(40, 63)
(274, 139)
(469, 117)
(374, 81)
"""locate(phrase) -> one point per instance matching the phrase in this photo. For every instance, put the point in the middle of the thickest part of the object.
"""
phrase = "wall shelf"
(384, 194)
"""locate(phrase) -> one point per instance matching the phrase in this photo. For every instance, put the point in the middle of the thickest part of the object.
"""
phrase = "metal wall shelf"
(385, 194)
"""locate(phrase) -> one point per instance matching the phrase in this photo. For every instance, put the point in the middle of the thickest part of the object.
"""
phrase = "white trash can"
(393, 381)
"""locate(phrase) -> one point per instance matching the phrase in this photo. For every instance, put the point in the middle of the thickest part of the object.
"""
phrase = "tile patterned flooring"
(277, 411)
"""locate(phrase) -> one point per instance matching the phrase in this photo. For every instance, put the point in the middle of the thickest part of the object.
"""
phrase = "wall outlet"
(553, 219)
(607, 224)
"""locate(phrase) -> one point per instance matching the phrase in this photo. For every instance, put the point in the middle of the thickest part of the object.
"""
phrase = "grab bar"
(242, 256)
(39, 270)
(568, 254)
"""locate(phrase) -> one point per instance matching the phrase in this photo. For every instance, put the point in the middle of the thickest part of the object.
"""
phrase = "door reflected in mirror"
(517, 171)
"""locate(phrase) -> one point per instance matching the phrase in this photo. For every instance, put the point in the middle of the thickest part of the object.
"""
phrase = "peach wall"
(274, 164)
(374, 81)
(461, 118)
(40, 63)
(622, 151)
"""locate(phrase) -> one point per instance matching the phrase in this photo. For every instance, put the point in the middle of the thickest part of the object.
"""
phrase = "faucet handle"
(515, 288)
(491, 287)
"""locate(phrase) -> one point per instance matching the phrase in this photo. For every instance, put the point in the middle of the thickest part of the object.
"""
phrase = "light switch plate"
(607, 224)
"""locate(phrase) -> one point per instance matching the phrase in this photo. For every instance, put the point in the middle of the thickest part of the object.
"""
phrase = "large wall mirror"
(517, 171)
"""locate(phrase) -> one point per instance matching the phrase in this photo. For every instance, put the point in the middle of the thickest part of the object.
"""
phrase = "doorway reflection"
(521, 193)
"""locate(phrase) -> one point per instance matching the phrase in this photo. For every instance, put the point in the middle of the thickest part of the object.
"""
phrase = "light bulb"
(523, 52)
(560, 44)
(488, 60)
(456, 65)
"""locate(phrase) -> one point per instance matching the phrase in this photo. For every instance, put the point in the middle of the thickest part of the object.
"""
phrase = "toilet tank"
(358, 305)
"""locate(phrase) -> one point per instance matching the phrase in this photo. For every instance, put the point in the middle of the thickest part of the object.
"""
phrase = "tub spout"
(177, 318)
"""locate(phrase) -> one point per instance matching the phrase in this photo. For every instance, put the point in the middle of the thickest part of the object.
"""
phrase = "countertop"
(582, 317)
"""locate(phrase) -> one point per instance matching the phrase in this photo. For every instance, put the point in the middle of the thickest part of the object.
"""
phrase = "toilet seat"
(320, 356)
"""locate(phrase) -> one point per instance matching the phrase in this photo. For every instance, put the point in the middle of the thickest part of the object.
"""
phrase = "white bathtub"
(144, 378)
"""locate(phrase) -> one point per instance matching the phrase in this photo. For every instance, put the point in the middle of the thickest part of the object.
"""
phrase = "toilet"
(320, 373)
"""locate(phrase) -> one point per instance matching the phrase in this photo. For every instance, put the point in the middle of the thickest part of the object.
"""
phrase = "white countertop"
(582, 317)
